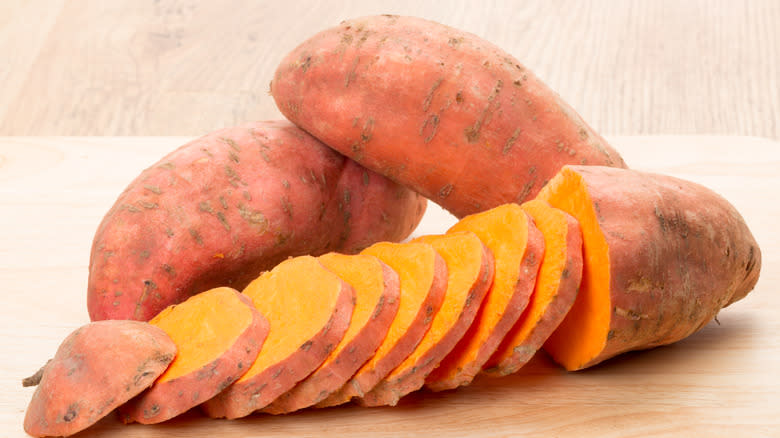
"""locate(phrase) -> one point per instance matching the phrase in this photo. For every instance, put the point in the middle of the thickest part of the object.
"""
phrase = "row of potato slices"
(375, 326)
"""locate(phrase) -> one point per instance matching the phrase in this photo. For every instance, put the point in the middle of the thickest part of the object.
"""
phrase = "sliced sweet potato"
(231, 204)
(434, 108)
(218, 334)
(556, 288)
(470, 272)
(309, 309)
(517, 247)
(661, 257)
(96, 368)
(377, 289)
(423, 277)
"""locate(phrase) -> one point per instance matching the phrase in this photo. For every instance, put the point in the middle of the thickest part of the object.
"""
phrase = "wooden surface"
(187, 67)
(722, 381)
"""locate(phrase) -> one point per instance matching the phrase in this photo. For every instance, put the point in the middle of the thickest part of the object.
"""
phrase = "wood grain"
(720, 382)
(187, 67)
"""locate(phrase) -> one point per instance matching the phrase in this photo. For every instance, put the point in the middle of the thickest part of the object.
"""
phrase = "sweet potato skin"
(419, 102)
(247, 396)
(82, 383)
(679, 253)
(165, 400)
(225, 207)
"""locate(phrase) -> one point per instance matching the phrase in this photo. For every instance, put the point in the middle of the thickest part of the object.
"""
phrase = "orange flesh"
(553, 225)
(462, 252)
(203, 327)
(364, 274)
(583, 333)
(414, 263)
(298, 298)
(504, 230)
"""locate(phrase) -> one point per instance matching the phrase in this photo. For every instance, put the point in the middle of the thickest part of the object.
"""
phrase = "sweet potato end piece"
(82, 384)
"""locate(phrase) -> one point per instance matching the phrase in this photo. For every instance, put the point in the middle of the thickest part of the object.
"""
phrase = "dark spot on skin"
(565, 273)
(152, 411)
(306, 346)
(611, 334)
(429, 128)
(511, 141)
(446, 191)
(196, 235)
(154, 189)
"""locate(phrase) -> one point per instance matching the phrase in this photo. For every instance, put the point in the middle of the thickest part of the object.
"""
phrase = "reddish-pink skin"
(165, 400)
(393, 387)
(437, 109)
(528, 268)
(678, 251)
(229, 205)
(365, 380)
(247, 396)
(556, 310)
(326, 380)
(83, 383)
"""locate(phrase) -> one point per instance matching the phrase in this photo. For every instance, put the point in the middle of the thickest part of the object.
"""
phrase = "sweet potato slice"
(556, 288)
(96, 368)
(377, 291)
(661, 257)
(423, 277)
(470, 269)
(218, 333)
(309, 309)
(384, 89)
(517, 247)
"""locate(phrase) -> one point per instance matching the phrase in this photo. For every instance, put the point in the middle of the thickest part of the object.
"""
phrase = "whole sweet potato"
(225, 207)
(436, 109)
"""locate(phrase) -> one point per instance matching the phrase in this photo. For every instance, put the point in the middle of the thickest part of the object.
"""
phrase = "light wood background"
(186, 67)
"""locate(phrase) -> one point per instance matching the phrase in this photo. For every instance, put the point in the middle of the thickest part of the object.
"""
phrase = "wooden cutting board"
(722, 381)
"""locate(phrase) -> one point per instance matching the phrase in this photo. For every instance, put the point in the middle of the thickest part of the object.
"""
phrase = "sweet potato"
(470, 269)
(662, 257)
(96, 368)
(435, 108)
(225, 207)
(377, 288)
(554, 293)
(309, 309)
(517, 247)
(423, 277)
(218, 334)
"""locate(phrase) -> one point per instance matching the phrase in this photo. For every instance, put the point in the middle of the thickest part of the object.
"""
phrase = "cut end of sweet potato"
(218, 334)
(377, 291)
(517, 248)
(309, 309)
(582, 335)
(554, 293)
(470, 269)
